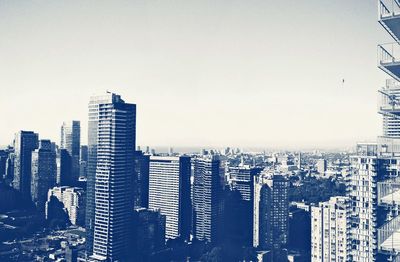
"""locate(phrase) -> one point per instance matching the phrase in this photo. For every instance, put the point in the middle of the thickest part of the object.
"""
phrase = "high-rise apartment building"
(111, 145)
(207, 198)
(71, 142)
(271, 211)
(44, 173)
(330, 225)
(374, 187)
(169, 191)
(242, 179)
(25, 142)
(74, 201)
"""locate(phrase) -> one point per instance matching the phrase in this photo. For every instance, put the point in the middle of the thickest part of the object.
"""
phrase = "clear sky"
(202, 73)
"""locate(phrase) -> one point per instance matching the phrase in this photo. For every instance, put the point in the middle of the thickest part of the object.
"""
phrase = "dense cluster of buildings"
(131, 203)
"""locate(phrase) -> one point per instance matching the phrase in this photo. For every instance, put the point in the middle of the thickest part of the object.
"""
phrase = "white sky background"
(202, 73)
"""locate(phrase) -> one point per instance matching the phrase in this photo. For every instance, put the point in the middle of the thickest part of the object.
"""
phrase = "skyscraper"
(242, 179)
(141, 179)
(83, 161)
(71, 142)
(207, 198)
(112, 129)
(271, 212)
(64, 168)
(94, 105)
(169, 191)
(25, 142)
(330, 224)
(44, 172)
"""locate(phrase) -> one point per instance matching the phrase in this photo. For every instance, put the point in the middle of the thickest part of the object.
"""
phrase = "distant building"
(24, 144)
(83, 161)
(84, 153)
(71, 141)
(169, 191)
(330, 224)
(111, 145)
(10, 167)
(207, 198)
(299, 161)
(64, 168)
(321, 166)
(44, 172)
(149, 233)
(3, 163)
(271, 212)
(73, 199)
(242, 179)
(141, 183)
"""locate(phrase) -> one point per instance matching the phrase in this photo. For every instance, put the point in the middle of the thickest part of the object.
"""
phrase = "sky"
(254, 73)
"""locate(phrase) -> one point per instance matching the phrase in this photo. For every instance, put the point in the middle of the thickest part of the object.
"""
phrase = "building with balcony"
(373, 186)
(330, 224)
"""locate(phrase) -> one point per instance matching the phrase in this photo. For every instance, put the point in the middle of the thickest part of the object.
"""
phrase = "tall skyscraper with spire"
(111, 145)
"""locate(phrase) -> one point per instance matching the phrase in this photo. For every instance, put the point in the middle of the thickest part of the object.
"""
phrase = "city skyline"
(270, 81)
(204, 131)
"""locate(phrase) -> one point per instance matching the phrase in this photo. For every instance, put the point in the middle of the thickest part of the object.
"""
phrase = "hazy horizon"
(202, 73)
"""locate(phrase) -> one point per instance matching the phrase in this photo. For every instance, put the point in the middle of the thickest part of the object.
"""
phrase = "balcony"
(389, 236)
(389, 59)
(389, 192)
(389, 17)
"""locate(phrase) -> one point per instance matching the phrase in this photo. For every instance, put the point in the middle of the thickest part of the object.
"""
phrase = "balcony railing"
(389, 17)
(389, 8)
(389, 59)
(389, 236)
(389, 147)
(389, 191)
